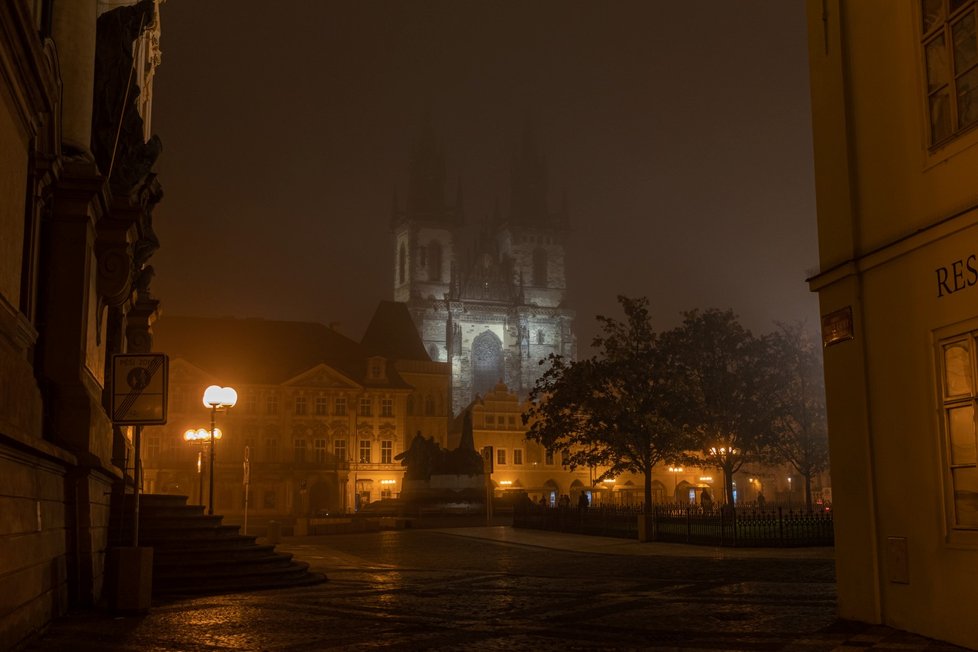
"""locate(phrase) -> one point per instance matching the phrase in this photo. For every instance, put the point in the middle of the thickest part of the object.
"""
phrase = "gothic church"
(493, 305)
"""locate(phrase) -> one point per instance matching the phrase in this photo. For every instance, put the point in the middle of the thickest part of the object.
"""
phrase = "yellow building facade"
(895, 109)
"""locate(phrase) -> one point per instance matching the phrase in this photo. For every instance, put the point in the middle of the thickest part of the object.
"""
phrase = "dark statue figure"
(420, 458)
(425, 457)
(117, 128)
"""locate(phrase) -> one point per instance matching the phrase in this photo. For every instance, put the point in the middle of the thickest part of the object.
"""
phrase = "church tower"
(494, 309)
(426, 233)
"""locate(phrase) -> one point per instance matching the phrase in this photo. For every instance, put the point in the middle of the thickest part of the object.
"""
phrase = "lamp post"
(675, 471)
(199, 436)
(216, 398)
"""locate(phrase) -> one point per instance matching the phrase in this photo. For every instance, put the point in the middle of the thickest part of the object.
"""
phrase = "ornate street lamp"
(199, 436)
(216, 398)
(675, 471)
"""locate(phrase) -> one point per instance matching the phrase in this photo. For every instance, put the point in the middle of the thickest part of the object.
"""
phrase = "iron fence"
(722, 526)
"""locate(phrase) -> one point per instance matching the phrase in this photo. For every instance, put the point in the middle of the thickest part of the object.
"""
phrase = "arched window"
(434, 261)
(539, 268)
(540, 337)
(429, 406)
(433, 352)
(487, 362)
(410, 404)
(401, 263)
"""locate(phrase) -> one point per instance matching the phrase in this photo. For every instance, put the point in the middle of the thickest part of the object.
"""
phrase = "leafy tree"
(616, 409)
(795, 391)
(717, 362)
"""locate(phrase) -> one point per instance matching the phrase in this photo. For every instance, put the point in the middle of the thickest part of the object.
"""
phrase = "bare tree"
(795, 391)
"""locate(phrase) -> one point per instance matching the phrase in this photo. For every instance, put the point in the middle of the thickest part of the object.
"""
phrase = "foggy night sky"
(679, 131)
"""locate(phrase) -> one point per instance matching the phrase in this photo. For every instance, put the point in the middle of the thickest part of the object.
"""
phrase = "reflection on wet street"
(435, 590)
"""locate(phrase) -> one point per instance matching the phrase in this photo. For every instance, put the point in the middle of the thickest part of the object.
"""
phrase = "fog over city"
(677, 134)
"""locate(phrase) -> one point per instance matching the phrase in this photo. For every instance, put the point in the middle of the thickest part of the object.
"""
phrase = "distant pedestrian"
(565, 501)
(582, 501)
(706, 501)
(543, 501)
(760, 501)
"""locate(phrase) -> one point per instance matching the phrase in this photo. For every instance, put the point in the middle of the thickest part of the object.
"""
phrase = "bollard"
(274, 534)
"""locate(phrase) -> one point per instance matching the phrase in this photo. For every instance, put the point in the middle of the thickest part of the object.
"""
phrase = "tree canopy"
(706, 392)
(617, 409)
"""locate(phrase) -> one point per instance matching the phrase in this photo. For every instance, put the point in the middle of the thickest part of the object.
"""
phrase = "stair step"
(197, 554)
(243, 584)
(176, 554)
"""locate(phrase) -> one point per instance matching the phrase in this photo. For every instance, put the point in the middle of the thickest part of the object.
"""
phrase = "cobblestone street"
(500, 589)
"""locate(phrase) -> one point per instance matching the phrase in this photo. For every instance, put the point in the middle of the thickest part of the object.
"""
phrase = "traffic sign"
(139, 384)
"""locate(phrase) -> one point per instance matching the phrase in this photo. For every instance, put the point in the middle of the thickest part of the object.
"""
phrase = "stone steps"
(194, 553)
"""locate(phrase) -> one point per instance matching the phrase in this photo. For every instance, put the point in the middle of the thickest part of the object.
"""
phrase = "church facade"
(488, 299)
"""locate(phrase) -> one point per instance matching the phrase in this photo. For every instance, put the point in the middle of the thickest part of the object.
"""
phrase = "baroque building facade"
(320, 418)
(492, 306)
(77, 193)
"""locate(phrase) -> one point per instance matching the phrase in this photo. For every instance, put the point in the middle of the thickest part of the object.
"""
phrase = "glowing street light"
(199, 436)
(675, 471)
(216, 398)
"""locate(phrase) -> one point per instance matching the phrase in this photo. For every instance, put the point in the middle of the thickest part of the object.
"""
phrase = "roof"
(259, 351)
(392, 334)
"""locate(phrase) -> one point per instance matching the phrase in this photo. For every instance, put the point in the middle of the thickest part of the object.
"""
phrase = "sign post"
(138, 388)
(139, 384)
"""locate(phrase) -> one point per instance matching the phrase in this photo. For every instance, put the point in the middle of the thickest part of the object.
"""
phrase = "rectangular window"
(365, 404)
(386, 407)
(549, 459)
(512, 421)
(364, 451)
(386, 452)
(340, 406)
(300, 405)
(339, 449)
(950, 54)
(320, 447)
(271, 404)
(269, 500)
(959, 399)
(271, 450)
(300, 451)
(251, 403)
(386, 493)
(322, 406)
(500, 456)
(490, 420)
(517, 456)
(153, 447)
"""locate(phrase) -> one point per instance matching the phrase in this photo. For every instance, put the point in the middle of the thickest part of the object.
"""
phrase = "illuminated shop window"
(959, 397)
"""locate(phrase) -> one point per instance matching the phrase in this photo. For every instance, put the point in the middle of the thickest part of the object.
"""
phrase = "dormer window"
(376, 369)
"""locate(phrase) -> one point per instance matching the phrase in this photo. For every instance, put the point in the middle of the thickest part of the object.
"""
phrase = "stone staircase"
(196, 554)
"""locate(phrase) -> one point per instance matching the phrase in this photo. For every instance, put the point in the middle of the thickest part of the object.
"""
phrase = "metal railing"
(721, 526)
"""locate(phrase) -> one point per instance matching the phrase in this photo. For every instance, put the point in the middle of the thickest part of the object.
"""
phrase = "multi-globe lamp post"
(199, 437)
(216, 398)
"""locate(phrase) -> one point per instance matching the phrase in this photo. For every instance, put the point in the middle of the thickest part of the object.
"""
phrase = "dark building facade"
(491, 304)
(77, 193)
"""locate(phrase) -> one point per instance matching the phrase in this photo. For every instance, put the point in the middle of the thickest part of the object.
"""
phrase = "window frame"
(955, 534)
(944, 29)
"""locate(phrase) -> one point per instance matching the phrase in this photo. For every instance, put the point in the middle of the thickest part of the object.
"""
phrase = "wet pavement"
(496, 588)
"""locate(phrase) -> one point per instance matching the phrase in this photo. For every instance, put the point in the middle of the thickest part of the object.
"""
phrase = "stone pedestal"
(131, 588)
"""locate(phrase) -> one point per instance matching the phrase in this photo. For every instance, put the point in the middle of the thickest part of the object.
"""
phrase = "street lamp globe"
(217, 397)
